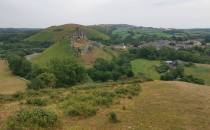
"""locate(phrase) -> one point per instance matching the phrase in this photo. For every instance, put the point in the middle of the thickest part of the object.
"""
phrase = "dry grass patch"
(9, 83)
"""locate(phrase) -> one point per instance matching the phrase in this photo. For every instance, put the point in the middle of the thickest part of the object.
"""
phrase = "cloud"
(157, 13)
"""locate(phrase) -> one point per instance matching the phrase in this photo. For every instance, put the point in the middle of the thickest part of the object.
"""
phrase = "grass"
(146, 67)
(201, 71)
(59, 33)
(160, 105)
(97, 52)
(9, 83)
(56, 51)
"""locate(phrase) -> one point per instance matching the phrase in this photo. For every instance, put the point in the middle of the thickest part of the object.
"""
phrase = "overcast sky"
(153, 13)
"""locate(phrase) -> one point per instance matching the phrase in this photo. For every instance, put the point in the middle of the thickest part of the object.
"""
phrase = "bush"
(113, 117)
(192, 79)
(31, 119)
(134, 89)
(103, 101)
(44, 80)
(167, 76)
(121, 91)
(162, 68)
(36, 84)
(80, 109)
(37, 101)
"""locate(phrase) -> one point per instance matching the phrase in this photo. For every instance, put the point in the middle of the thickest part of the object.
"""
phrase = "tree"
(48, 79)
(19, 65)
(67, 72)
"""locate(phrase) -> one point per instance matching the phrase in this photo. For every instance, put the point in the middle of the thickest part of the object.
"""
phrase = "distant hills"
(105, 34)
(64, 32)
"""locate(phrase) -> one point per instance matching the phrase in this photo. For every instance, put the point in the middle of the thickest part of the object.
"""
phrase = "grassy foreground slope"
(9, 83)
(59, 33)
(146, 67)
(200, 70)
(159, 106)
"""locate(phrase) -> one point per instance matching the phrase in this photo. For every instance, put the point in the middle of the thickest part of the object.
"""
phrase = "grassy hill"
(63, 51)
(60, 36)
(159, 106)
(200, 70)
(64, 32)
(56, 51)
(9, 83)
(146, 67)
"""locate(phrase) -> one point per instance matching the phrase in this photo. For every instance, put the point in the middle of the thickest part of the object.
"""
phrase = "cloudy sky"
(153, 13)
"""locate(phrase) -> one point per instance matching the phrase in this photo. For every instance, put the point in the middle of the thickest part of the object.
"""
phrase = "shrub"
(35, 84)
(37, 101)
(134, 89)
(192, 79)
(103, 101)
(48, 79)
(162, 68)
(44, 80)
(121, 91)
(113, 117)
(31, 119)
(81, 109)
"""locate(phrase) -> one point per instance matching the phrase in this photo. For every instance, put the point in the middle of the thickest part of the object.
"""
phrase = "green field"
(201, 71)
(56, 51)
(146, 67)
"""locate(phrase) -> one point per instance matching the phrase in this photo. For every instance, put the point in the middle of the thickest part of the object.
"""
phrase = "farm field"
(9, 83)
(146, 67)
(200, 70)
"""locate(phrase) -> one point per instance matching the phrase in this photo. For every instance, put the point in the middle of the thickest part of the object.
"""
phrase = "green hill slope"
(56, 51)
(64, 32)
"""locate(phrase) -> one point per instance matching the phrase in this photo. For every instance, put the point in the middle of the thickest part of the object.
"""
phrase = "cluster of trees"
(19, 66)
(194, 55)
(22, 48)
(68, 72)
(60, 73)
(176, 72)
(116, 69)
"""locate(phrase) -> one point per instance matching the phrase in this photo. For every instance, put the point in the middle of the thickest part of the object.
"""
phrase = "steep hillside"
(9, 83)
(56, 51)
(64, 32)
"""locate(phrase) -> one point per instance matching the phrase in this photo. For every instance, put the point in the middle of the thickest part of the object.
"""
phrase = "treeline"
(68, 72)
(176, 72)
(12, 41)
(195, 55)
(116, 69)
(22, 48)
